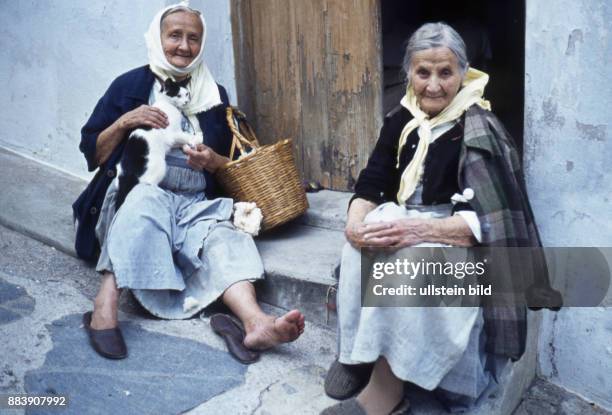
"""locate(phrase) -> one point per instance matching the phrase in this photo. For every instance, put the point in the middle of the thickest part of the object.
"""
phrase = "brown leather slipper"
(107, 343)
(233, 334)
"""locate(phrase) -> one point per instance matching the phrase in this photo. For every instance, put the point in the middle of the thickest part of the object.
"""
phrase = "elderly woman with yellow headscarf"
(173, 245)
(440, 145)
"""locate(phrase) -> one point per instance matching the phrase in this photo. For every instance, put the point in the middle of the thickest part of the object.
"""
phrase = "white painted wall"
(58, 57)
(568, 162)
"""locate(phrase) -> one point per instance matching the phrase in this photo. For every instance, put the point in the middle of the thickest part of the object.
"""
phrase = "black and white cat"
(143, 159)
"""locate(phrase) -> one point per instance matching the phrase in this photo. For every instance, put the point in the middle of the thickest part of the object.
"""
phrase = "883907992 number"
(24, 401)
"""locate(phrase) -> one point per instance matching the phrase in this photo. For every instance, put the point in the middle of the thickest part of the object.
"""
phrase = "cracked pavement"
(173, 366)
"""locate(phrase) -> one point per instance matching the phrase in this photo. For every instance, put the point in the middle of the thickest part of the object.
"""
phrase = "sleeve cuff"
(472, 221)
(376, 200)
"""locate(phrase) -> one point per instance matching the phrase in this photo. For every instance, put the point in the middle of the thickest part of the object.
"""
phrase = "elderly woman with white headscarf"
(173, 245)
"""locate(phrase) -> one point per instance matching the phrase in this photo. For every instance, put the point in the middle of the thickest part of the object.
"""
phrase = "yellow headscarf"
(471, 93)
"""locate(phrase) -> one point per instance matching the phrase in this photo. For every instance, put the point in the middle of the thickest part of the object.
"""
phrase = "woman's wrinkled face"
(181, 38)
(436, 78)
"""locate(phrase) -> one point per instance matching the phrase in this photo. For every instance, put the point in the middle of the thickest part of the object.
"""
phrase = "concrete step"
(299, 259)
(36, 200)
(327, 210)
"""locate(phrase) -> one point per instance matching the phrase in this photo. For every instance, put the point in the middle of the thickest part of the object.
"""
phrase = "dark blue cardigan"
(125, 93)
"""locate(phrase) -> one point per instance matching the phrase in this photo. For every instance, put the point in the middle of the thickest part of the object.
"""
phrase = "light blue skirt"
(177, 251)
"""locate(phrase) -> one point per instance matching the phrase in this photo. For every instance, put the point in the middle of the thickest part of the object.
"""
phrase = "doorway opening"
(494, 33)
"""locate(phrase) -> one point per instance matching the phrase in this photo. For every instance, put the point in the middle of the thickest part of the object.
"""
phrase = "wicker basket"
(267, 175)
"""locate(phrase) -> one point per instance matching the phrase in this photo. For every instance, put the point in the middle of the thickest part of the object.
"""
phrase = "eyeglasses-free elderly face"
(436, 78)
(181, 37)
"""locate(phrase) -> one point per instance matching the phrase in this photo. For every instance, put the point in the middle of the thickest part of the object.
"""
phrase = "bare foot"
(106, 304)
(104, 315)
(101, 320)
(267, 331)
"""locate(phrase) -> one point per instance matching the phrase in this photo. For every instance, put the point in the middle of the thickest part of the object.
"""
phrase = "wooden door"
(311, 70)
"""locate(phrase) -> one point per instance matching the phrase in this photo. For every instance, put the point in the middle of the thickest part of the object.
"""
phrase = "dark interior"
(494, 33)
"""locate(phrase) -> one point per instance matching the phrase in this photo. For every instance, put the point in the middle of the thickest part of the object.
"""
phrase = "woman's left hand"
(400, 233)
(204, 158)
(452, 230)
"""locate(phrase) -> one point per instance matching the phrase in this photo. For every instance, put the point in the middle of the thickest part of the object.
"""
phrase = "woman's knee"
(144, 193)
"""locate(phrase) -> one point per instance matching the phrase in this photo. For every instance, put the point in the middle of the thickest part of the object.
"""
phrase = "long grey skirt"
(435, 348)
(177, 251)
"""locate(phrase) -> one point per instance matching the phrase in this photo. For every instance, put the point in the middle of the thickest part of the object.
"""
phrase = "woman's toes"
(293, 316)
(286, 329)
(270, 332)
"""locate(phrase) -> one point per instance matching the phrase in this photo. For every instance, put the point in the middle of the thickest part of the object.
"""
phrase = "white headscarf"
(202, 87)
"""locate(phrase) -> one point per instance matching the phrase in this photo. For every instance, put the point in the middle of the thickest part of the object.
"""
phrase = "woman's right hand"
(356, 229)
(356, 232)
(143, 116)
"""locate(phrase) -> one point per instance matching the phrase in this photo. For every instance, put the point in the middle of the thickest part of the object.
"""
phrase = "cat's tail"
(126, 184)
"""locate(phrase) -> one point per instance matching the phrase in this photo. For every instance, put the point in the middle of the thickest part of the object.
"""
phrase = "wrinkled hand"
(398, 233)
(143, 116)
(204, 158)
(356, 232)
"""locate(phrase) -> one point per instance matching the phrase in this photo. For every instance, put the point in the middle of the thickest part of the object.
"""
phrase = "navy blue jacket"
(126, 93)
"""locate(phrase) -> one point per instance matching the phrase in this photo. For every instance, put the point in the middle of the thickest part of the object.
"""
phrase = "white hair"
(435, 35)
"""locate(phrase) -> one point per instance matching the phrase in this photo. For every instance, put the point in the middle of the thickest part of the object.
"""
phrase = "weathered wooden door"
(311, 70)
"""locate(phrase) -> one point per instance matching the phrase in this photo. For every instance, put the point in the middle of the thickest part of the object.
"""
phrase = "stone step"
(299, 259)
(300, 262)
(327, 210)
(36, 200)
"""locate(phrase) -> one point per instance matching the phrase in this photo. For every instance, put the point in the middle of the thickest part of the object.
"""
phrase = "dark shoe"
(353, 407)
(349, 407)
(344, 381)
(233, 334)
(107, 343)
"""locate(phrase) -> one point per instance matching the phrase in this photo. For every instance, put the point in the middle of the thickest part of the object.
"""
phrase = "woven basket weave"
(267, 175)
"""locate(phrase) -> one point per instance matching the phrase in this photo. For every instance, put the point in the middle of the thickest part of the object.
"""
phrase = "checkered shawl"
(489, 164)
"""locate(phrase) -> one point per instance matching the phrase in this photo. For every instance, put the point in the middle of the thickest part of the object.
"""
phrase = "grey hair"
(435, 35)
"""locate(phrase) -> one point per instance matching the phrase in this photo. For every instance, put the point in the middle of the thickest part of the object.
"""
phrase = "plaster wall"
(568, 151)
(58, 58)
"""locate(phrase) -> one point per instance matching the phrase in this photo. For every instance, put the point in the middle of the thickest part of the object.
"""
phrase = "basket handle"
(243, 134)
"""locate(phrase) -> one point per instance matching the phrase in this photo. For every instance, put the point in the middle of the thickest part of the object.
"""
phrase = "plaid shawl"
(489, 164)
